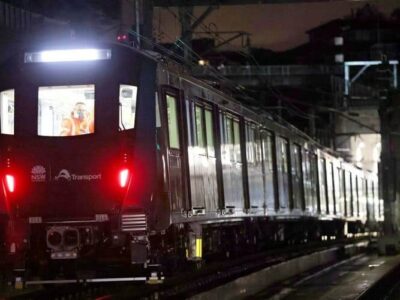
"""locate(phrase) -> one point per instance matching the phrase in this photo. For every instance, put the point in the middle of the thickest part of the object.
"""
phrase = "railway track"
(184, 284)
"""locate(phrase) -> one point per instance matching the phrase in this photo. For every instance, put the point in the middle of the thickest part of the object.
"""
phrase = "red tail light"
(10, 183)
(123, 177)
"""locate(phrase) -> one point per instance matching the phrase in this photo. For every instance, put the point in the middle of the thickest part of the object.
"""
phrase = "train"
(113, 155)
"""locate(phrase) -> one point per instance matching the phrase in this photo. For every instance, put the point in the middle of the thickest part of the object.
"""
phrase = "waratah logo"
(38, 174)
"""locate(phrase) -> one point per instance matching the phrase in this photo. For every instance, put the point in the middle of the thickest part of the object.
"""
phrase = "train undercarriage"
(54, 251)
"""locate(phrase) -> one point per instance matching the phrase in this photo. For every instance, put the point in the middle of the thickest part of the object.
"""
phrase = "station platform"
(349, 279)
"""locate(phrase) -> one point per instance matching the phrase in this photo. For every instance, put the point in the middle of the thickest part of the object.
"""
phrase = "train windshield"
(66, 110)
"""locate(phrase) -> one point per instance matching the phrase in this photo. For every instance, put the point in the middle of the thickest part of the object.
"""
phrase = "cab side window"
(172, 116)
(7, 111)
(127, 106)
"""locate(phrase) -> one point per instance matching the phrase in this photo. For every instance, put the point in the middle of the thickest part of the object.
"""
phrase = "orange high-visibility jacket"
(72, 126)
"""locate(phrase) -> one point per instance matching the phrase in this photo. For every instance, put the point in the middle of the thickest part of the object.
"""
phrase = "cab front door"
(174, 125)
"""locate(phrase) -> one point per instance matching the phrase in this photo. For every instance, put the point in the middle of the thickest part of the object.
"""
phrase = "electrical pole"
(390, 161)
(137, 16)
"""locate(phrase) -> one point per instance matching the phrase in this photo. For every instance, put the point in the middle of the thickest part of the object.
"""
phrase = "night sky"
(277, 27)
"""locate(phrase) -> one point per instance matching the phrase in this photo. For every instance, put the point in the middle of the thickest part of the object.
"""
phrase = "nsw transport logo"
(66, 175)
(38, 174)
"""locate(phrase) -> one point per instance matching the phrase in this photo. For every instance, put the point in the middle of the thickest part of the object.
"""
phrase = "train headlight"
(49, 56)
(71, 238)
(54, 238)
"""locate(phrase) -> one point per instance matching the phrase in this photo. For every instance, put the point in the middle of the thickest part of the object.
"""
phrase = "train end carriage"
(78, 154)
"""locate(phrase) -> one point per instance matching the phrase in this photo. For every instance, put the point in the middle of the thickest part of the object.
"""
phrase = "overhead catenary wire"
(217, 74)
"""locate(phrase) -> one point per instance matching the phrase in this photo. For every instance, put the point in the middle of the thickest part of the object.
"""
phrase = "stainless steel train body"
(170, 166)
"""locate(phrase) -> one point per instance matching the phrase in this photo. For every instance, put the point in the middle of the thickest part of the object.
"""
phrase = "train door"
(307, 183)
(362, 198)
(254, 167)
(330, 187)
(231, 159)
(297, 179)
(173, 114)
(356, 206)
(202, 161)
(314, 182)
(339, 193)
(348, 194)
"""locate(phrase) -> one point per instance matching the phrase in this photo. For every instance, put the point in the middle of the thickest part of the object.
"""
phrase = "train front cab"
(77, 153)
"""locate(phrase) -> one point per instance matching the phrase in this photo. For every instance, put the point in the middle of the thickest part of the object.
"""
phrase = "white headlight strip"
(67, 55)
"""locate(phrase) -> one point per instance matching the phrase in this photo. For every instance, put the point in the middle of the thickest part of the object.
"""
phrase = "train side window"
(232, 138)
(7, 111)
(250, 144)
(267, 149)
(127, 106)
(296, 168)
(66, 110)
(283, 167)
(322, 184)
(229, 137)
(330, 185)
(236, 133)
(209, 133)
(355, 195)
(172, 115)
(348, 193)
(199, 123)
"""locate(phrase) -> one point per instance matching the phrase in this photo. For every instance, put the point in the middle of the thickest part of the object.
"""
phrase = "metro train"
(114, 155)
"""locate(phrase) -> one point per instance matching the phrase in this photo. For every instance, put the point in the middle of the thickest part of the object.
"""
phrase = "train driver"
(80, 121)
